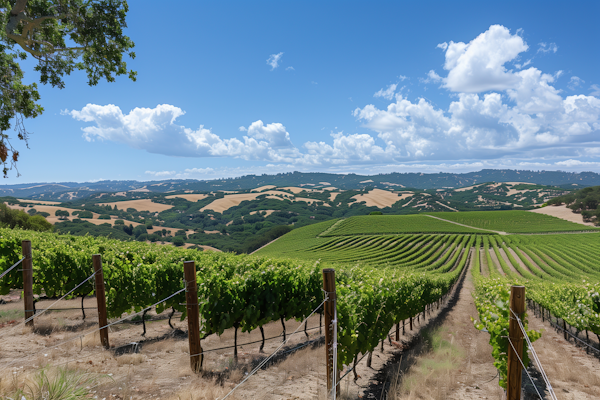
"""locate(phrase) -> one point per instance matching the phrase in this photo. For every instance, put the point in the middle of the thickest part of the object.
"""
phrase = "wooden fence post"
(398, 332)
(27, 281)
(101, 299)
(193, 315)
(329, 311)
(517, 305)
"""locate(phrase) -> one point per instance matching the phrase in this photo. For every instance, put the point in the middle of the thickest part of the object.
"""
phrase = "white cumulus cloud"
(155, 130)
(547, 48)
(432, 77)
(387, 93)
(274, 59)
(478, 66)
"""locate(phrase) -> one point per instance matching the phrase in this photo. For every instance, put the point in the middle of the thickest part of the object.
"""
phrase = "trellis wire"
(334, 348)
(259, 366)
(95, 330)
(11, 268)
(535, 357)
(556, 326)
(245, 344)
(51, 305)
(523, 365)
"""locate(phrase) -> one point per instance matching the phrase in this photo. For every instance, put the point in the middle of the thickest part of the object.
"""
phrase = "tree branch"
(16, 14)
(18, 7)
(25, 39)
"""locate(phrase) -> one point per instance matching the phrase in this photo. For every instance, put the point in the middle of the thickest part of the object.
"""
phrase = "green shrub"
(86, 215)
(20, 219)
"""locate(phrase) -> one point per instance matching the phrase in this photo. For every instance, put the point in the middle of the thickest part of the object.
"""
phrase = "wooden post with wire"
(27, 281)
(101, 299)
(329, 309)
(193, 315)
(515, 336)
(398, 332)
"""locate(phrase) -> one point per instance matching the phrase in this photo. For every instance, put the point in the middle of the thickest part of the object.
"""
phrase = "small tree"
(62, 214)
(178, 241)
(85, 214)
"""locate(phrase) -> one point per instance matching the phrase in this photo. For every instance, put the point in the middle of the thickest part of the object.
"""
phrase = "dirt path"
(467, 226)
(495, 261)
(471, 373)
(518, 259)
(485, 268)
(507, 261)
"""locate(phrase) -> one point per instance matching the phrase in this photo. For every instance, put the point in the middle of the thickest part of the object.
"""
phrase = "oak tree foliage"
(61, 36)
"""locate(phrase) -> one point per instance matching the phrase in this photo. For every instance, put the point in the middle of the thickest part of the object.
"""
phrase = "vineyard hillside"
(242, 220)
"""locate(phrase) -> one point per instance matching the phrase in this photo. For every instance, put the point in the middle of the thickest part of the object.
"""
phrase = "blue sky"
(231, 88)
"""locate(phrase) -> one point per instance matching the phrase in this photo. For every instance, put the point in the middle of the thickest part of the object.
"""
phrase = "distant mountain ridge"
(65, 191)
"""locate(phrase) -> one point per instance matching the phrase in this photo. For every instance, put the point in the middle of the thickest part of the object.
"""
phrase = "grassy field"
(390, 224)
(297, 241)
(389, 238)
(359, 238)
(513, 221)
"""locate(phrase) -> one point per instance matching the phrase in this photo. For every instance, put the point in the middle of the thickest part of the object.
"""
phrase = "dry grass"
(189, 197)
(140, 205)
(433, 376)
(381, 198)
(267, 212)
(204, 390)
(232, 200)
(46, 203)
(568, 368)
(92, 340)
(302, 362)
(131, 359)
(49, 383)
(297, 190)
(263, 188)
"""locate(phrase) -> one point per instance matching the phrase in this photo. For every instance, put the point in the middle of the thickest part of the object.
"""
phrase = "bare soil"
(562, 212)
(495, 262)
(573, 373)
(156, 365)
